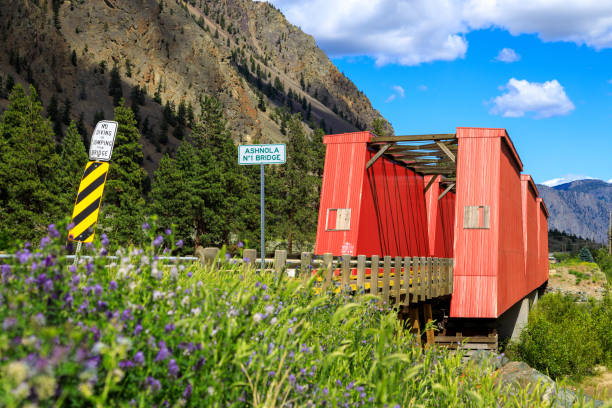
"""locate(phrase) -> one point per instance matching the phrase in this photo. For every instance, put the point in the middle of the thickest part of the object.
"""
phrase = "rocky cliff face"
(581, 208)
(245, 53)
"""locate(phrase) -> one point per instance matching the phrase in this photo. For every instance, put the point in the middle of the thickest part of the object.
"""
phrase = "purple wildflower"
(169, 327)
(153, 384)
(104, 239)
(168, 231)
(199, 364)
(173, 368)
(158, 241)
(9, 323)
(146, 226)
(98, 289)
(23, 256)
(163, 352)
(124, 364)
(126, 315)
(112, 285)
(271, 374)
(44, 242)
(53, 232)
(187, 392)
(240, 244)
(139, 358)
(179, 243)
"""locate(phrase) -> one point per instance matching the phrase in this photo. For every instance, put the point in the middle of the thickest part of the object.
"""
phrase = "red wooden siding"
(531, 206)
(488, 261)
(343, 177)
(386, 201)
(440, 220)
(542, 275)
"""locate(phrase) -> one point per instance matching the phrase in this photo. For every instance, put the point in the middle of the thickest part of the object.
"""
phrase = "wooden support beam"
(328, 266)
(374, 275)
(446, 150)
(413, 138)
(428, 146)
(377, 156)
(433, 180)
(449, 188)
(427, 314)
(280, 260)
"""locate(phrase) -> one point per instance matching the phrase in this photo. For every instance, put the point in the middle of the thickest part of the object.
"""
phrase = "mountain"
(581, 208)
(164, 55)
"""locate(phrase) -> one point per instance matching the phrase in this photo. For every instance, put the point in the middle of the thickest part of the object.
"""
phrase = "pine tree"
(114, 86)
(296, 190)
(585, 255)
(72, 158)
(123, 203)
(29, 191)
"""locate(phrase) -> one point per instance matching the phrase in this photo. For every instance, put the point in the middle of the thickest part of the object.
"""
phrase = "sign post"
(262, 154)
(89, 196)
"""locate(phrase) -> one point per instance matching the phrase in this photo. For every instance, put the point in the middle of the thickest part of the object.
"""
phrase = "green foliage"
(378, 127)
(29, 188)
(297, 189)
(604, 260)
(585, 255)
(73, 158)
(564, 338)
(205, 181)
(123, 204)
(114, 86)
(142, 332)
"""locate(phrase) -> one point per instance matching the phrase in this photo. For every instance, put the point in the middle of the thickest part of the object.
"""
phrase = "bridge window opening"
(476, 217)
(338, 219)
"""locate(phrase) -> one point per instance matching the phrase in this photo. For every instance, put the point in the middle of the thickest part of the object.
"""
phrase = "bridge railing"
(396, 280)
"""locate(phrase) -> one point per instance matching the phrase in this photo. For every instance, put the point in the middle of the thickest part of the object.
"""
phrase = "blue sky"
(431, 65)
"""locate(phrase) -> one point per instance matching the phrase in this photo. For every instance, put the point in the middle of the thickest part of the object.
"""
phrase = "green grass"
(138, 332)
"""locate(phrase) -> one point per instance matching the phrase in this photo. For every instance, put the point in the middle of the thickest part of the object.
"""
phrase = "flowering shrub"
(137, 331)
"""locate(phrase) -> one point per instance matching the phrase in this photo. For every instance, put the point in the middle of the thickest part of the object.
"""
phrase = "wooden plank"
(451, 275)
(328, 270)
(447, 151)
(423, 278)
(280, 260)
(427, 314)
(413, 138)
(428, 146)
(305, 265)
(397, 278)
(431, 170)
(386, 279)
(449, 188)
(429, 278)
(346, 271)
(406, 276)
(431, 181)
(374, 275)
(361, 262)
(436, 277)
(413, 316)
(475, 339)
(416, 279)
(377, 156)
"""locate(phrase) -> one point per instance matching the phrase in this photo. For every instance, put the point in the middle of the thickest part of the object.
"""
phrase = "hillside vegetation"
(164, 57)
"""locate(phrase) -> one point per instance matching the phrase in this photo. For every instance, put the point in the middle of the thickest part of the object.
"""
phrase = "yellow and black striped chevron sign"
(87, 204)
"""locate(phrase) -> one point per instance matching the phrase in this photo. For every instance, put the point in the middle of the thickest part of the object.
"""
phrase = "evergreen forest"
(199, 192)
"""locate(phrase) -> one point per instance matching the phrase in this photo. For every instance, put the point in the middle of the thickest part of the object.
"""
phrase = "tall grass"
(138, 332)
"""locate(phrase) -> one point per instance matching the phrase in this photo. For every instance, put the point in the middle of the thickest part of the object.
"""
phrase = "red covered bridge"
(459, 196)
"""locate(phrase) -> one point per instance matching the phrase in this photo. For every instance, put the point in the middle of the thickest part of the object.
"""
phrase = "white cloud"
(507, 55)
(543, 100)
(423, 88)
(397, 91)
(411, 32)
(610, 181)
(568, 178)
